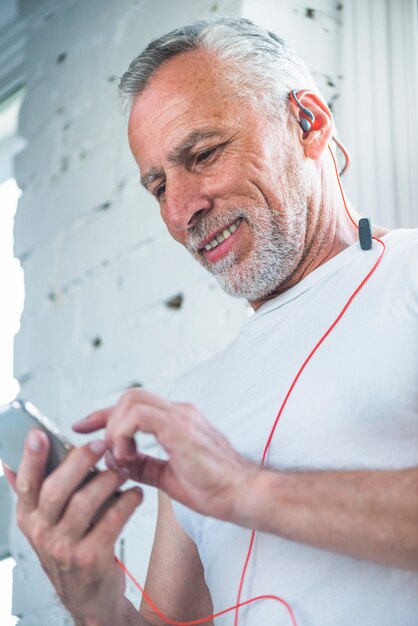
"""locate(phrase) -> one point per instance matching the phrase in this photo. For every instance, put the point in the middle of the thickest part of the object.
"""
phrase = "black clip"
(365, 233)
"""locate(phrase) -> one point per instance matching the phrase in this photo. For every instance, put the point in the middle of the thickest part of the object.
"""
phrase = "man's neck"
(321, 245)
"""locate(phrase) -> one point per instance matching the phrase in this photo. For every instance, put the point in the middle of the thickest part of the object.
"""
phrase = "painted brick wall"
(111, 301)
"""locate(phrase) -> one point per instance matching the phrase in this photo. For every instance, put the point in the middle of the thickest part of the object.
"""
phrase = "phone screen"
(16, 420)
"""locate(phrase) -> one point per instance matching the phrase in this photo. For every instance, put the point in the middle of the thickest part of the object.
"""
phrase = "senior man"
(254, 196)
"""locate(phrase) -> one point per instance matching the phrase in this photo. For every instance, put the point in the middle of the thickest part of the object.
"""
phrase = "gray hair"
(256, 63)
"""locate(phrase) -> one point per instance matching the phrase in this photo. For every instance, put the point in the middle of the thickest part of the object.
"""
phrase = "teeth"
(227, 232)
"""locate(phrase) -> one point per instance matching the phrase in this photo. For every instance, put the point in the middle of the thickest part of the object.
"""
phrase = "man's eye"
(160, 190)
(203, 156)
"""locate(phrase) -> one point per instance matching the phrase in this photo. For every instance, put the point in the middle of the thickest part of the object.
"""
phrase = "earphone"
(364, 225)
(305, 124)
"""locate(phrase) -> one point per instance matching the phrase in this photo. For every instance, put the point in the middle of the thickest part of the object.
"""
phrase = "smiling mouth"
(222, 236)
(220, 247)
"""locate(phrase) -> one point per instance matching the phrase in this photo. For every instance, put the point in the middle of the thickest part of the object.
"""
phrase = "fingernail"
(139, 491)
(34, 441)
(123, 471)
(98, 447)
(7, 469)
(110, 461)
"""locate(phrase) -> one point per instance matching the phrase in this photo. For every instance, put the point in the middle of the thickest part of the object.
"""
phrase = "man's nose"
(184, 198)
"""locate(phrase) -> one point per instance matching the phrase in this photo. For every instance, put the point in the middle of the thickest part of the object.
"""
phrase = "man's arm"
(125, 614)
(175, 580)
(371, 515)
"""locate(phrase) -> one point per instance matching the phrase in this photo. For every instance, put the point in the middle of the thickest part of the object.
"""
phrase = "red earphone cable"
(202, 619)
(304, 364)
(239, 604)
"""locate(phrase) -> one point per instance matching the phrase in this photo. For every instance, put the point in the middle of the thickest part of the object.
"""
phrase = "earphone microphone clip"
(365, 233)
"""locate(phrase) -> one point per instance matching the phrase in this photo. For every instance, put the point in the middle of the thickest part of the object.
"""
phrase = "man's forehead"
(194, 73)
(188, 85)
(182, 106)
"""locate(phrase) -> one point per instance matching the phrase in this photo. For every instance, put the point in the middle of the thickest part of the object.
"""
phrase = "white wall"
(378, 108)
(99, 265)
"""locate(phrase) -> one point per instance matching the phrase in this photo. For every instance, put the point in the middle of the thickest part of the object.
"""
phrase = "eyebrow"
(178, 153)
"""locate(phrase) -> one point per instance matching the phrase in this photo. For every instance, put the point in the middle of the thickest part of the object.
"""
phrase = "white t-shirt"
(354, 407)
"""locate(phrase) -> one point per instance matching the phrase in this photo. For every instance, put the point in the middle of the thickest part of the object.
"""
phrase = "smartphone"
(16, 420)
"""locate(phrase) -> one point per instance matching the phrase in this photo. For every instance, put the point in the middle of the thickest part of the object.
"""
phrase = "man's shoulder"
(402, 248)
(401, 262)
(402, 239)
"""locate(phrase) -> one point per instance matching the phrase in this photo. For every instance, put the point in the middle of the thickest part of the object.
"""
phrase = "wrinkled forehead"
(183, 95)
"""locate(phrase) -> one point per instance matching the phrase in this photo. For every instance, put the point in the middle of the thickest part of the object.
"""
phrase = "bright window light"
(11, 305)
(6, 581)
(11, 290)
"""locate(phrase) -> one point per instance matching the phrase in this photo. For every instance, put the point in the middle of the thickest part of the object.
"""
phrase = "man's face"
(221, 170)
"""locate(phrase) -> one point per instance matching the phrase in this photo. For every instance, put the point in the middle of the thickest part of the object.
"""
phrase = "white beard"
(271, 260)
(277, 243)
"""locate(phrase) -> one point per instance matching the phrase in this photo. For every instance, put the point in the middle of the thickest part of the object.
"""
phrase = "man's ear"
(315, 141)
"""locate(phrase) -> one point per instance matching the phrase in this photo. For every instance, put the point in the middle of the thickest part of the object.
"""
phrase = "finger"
(98, 419)
(124, 451)
(86, 502)
(94, 421)
(134, 403)
(110, 460)
(31, 471)
(141, 396)
(148, 470)
(9, 475)
(69, 475)
(123, 426)
(143, 469)
(108, 528)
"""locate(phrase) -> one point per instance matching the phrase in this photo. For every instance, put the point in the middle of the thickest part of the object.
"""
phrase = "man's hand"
(55, 515)
(367, 514)
(203, 471)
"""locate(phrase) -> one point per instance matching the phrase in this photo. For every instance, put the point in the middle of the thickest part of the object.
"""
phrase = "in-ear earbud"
(305, 124)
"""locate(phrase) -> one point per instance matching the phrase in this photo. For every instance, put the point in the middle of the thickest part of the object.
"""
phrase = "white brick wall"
(99, 265)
